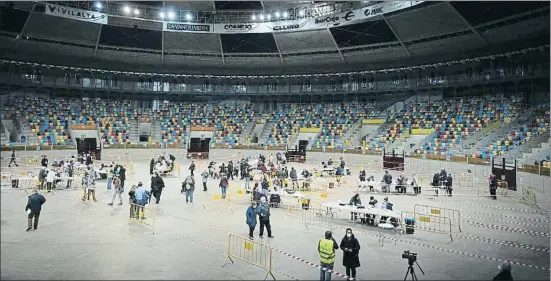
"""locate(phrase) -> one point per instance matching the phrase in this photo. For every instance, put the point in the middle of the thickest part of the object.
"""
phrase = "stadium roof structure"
(426, 32)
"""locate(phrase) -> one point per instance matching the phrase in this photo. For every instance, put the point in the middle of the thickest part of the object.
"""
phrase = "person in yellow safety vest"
(327, 248)
(109, 178)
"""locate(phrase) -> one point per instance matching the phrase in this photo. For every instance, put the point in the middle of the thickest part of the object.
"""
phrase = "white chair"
(386, 227)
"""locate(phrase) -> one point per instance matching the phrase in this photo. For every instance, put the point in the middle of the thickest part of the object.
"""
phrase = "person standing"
(326, 249)
(192, 168)
(204, 178)
(142, 197)
(223, 185)
(151, 165)
(122, 175)
(90, 185)
(44, 161)
(33, 208)
(493, 186)
(118, 190)
(351, 248)
(230, 170)
(12, 159)
(264, 214)
(50, 180)
(387, 179)
(42, 177)
(157, 185)
(251, 219)
(449, 184)
(294, 178)
(110, 178)
(189, 189)
(504, 272)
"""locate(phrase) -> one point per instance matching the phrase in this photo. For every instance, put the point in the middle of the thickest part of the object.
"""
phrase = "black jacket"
(503, 275)
(157, 183)
(44, 162)
(355, 200)
(350, 259)
(35, 203)
(122, 174)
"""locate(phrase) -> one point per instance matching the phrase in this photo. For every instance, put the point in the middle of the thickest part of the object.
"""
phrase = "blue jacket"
(251, 216)
(35, 203)
(263, 211)
(142, 196)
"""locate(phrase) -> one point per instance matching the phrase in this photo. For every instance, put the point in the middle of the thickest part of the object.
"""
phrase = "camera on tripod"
(411, 257)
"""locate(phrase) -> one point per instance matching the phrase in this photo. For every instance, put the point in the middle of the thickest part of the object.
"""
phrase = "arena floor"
(81, 240)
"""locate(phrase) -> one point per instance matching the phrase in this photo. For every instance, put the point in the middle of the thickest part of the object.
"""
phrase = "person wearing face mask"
(251, 219)
(350, 259)
(326, 249)
(264, 214)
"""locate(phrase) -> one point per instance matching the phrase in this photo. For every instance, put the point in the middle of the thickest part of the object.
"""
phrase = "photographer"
(326, 249)
(351, 248)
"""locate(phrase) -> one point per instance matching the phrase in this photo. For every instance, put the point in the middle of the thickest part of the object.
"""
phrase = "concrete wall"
(86, 133)
(541, 184)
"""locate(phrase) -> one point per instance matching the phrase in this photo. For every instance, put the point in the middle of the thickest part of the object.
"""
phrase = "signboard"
(187, 27)
(83, 127)
(318, 23)
(75, 14)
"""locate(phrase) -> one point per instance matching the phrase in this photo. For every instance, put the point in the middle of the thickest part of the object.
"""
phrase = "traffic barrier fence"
(250, 251)
(453, 214)
(428, 223)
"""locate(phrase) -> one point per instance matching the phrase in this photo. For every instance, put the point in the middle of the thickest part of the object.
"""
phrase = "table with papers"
(377, 212)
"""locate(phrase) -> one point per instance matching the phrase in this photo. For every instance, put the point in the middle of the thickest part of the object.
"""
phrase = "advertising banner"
(75, 14)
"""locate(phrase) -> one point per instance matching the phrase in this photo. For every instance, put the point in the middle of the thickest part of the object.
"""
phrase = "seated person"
(401, 183)
(305, 173)
(324, 165)
(338, 174)
(372, 201)
(330, 162)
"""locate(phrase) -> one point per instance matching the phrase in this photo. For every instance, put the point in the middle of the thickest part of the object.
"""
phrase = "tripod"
(412, 272)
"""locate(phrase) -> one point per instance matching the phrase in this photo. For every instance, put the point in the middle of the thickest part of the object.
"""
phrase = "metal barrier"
(143, 215)
(317, 217)
(428, 223)
(251, 252)
(452, 214)
(529, 196)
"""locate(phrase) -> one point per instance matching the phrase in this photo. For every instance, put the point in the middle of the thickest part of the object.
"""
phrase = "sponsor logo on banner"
(240, 27)
(187, 27)
(373, 12)
(76, 14)
(288, 26)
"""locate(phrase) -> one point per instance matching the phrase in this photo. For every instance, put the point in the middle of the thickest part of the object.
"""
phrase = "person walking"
(157, 185)
(204, 178)
(118, 190)
(504, 272)
(12, 159)
(264, 214)
(326, 249)
(189, 189)
(33, 208)
(251, 219)
(351, 248)
(387, 180)
(192, 168)
(223, 185)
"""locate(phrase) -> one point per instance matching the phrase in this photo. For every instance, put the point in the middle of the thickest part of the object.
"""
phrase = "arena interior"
(450, 98)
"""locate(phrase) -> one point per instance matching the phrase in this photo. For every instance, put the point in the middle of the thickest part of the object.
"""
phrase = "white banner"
(334, 20)
(75, 14)
(187, 27)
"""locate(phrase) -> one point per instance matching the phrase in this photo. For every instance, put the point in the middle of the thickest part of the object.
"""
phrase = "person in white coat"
(50, 180)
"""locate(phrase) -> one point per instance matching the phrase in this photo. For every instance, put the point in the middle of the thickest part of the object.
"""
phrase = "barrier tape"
(222, 251)
(454, 251)
(506, 216)
(511, 222)
(503, 243)
(509, 229)
(275, 249)
(494, 207)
